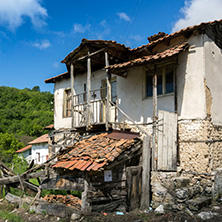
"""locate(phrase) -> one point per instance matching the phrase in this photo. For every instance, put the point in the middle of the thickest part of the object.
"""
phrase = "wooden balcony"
(97, 111)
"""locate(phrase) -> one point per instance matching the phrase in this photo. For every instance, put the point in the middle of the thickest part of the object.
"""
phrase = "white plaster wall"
(60, 86)
(213, 71)
(130, 94)
(190, 81)
(130, 90)
(41, 148)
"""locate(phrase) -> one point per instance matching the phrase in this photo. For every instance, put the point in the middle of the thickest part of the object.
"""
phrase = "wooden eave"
(113, 48)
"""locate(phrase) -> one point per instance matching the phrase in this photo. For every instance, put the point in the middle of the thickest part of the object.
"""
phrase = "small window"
(169, 80)
(38, 157)
(165, 81)
(113, 91)
(67, 103)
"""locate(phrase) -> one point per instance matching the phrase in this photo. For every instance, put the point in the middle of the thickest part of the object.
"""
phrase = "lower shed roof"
(97, 151)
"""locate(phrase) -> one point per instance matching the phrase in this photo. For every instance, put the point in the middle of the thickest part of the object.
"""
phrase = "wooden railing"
(97, 107)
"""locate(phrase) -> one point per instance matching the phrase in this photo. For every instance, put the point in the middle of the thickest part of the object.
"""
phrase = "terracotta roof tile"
(150, 58)
(24, 149)
(41, 139)
(93, 153)
(178, 33)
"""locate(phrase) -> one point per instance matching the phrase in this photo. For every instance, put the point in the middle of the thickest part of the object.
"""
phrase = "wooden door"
(133, 182)
(167, 141)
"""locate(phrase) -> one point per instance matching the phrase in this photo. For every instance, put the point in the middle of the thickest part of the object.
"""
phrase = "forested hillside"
(23, 115)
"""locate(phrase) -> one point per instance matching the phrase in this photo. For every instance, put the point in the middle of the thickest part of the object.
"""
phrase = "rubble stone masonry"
(199, 157)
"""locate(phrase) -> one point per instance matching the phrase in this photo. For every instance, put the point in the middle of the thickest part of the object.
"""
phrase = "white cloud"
(123, 16)
(42, 44)
(56, 64)
(80, 28)
(14, 12)
(197, 11)
(103, 23)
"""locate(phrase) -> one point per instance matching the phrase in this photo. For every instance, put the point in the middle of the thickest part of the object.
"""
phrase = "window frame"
(67, 97)
(161, 71)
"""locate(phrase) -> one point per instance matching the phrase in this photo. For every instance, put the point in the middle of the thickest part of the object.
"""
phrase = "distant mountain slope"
(25, 112)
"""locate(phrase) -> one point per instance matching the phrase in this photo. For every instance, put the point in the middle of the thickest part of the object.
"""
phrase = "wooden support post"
(85, 206)
(154, 167)
(72, 94)
(88, 89)
(108, 96)
(145, 193)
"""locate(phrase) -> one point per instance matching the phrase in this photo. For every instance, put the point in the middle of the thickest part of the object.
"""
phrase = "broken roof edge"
(177, 33)
(168, 53)
(91, 41)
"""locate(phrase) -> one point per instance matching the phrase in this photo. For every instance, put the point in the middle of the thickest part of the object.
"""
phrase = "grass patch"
(10, 217)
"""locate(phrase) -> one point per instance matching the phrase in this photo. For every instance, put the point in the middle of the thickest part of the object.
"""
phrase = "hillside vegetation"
(23, 115)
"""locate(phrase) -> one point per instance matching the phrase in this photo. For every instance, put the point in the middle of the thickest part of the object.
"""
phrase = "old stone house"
(169, 89)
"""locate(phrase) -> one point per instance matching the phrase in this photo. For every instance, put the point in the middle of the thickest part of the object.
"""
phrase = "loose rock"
(159, 210)
(205, 215)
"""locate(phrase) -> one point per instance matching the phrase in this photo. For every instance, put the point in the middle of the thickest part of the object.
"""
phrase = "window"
(165, 81)
(67, 103)
(113, 90)
(38, 157)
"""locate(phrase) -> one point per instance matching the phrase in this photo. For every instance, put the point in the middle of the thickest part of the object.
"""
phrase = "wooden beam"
(88, 89)
(108, 96)
(72, 93)
(154, 118)
(90, 55)
(85, 206)
(145, 193)
(15, 179)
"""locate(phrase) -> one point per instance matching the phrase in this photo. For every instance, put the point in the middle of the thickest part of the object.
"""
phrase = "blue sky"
(35, 35)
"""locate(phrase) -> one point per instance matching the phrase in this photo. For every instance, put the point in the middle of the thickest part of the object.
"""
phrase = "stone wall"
(199, 155)
(200, 145)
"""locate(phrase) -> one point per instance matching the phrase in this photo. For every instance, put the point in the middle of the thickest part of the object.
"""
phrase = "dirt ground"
(22, 214)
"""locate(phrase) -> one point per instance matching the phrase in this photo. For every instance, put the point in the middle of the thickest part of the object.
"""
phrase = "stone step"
(198, 203)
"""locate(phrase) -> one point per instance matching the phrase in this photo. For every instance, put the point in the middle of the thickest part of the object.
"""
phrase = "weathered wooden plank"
(15, 179)
(174, 141)
(154, 164)
(85, 206)
(167, 141)
(88, 89)
(61, 183)
(145, 192)
(160, 140)
(133, 175)
(72, 93)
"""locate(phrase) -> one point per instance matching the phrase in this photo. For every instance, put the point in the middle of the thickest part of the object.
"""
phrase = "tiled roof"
(150, 58)
(60, 76)
(41, 139)
(24, 149)
(95, 152)
(96, 44)
(178, 33)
